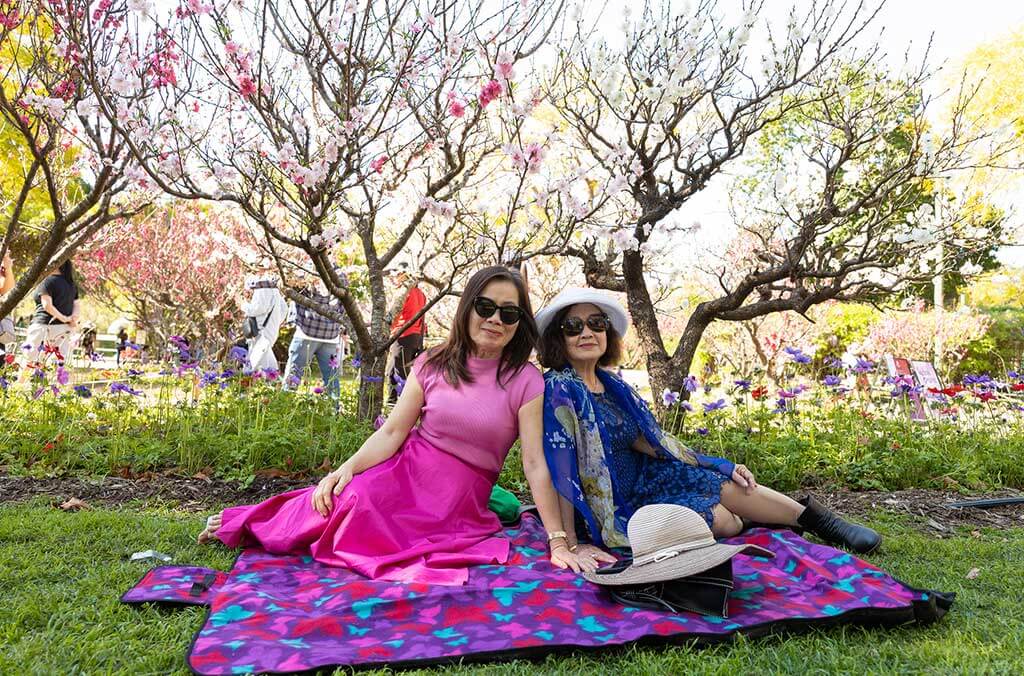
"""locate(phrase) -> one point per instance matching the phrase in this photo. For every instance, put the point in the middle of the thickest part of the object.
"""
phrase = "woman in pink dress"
(411, 504)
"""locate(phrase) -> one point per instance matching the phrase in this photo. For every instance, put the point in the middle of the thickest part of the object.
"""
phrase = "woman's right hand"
(332, 484)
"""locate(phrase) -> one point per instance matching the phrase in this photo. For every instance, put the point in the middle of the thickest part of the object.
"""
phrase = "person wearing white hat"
(608, 456)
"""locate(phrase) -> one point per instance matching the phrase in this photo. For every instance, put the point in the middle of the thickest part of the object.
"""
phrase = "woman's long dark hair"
(450, 358)
(67, 271)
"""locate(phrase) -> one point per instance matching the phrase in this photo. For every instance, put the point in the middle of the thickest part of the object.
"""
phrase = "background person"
(410, 342)
(56, 315)
(269, 308)
(316, 337)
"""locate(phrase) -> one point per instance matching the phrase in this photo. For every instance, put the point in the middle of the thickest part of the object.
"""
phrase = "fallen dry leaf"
(975, 533)
(74, 505)
(973, 573)
(272, 472)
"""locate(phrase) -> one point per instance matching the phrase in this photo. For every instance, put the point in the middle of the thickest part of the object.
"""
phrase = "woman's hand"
(332, 484)
(595, 554)
(744, 478)
(562, 558)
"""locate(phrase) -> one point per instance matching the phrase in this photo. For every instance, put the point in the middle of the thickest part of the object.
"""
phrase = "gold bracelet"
(558, 534)
(574, 548)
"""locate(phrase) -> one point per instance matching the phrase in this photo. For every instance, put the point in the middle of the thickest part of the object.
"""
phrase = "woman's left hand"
(745, 478)
(595, 554)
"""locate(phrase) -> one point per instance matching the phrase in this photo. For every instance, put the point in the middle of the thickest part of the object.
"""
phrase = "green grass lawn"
(62, 575)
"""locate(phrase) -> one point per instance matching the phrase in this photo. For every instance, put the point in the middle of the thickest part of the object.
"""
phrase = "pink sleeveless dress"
(420, 516)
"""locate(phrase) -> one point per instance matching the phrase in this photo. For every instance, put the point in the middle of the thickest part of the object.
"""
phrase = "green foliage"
(845, 323)
(63, 573)
(1001, 349)
(235, 432)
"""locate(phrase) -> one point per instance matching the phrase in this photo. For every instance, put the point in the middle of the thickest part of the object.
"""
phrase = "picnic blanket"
(273, 613)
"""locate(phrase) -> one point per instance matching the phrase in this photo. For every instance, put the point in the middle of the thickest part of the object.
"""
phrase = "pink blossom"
(490, 91)
(246, 86)
(231, 47)
(378, 164)
(456, 108)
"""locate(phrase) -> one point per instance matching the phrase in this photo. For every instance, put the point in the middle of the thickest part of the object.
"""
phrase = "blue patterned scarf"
(576, 448)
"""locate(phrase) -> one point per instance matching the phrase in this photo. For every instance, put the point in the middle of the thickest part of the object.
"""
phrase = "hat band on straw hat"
(673, 551)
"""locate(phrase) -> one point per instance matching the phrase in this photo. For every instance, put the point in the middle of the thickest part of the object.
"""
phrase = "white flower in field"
(968, 269)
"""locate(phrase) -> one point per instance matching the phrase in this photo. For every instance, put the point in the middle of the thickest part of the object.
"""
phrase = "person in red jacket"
(410, 342)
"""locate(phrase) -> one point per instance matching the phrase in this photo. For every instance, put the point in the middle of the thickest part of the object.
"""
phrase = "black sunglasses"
(573, 326)
(485, 307)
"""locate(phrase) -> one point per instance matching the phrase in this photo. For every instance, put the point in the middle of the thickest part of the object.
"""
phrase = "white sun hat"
(576, 296)
(670, 542)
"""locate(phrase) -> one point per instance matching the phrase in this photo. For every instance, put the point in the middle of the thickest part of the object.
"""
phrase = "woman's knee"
(725, 524)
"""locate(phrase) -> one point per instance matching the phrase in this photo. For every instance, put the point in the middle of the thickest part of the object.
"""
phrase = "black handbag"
(706, 593)
(251, 328)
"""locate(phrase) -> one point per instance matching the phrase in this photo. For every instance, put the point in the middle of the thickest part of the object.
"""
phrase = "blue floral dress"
(639, 479)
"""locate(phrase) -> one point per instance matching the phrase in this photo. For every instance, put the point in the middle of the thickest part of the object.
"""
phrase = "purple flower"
(832, 381)
(373, 379)
(4, 384)
(690, 384)
(318, 390)
(743, 385)
(83, 391)
(1013, 375)
(209, 378)
(271, 374)
(379, 422)
(714, 406)
(333, 361)
(703, 431)
(864, 366)
(788, 394)
(833, 362)
(239, 354)
(134, 372)
(792, 351)
(781, 405)
(686, 406)
(669, 398)
(116, 388)
(293, 381)
(62, 376)
(399, 382)
(356, 362)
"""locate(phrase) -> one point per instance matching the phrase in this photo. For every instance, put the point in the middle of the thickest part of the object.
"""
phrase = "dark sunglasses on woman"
(573, 326)
(485, 307)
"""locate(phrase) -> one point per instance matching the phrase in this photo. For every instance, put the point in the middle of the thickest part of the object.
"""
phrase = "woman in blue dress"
(608, 456)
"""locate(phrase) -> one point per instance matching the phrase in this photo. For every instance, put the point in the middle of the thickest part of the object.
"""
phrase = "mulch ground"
(926, 509)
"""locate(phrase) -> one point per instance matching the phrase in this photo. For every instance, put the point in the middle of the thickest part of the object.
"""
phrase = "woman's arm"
(7, 279)
(720, 465)
(381, 445)
(535, 466)
(49, 308)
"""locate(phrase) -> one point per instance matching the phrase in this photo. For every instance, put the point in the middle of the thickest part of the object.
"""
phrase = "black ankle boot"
(835, 530)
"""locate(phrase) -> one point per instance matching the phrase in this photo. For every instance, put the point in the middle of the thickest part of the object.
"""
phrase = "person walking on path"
(410, 342)
(269, 308)
(6, 284)
(316, 336)
(56, 315)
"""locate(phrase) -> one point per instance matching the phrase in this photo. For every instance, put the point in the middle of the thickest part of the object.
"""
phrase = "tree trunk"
(371, 384)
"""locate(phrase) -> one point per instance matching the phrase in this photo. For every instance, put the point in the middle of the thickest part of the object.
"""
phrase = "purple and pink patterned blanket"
(288, 613)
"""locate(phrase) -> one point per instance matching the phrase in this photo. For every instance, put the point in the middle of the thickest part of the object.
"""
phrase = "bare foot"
(212, 524)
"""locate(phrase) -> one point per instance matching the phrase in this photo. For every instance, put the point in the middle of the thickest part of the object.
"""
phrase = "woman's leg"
(725, 523)
(762, 505)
